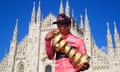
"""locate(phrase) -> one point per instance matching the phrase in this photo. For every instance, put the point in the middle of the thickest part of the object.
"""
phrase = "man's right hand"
(51, 34)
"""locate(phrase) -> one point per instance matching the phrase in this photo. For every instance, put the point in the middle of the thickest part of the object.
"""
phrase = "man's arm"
(82, 47)
(49, 50)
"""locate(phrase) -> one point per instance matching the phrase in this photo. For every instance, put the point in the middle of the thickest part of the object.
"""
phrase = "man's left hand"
(84, 66)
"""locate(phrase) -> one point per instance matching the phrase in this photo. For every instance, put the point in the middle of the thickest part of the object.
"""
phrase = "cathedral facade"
(30, 56)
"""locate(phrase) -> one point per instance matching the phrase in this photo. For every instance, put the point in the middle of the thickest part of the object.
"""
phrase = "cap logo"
(60, 18)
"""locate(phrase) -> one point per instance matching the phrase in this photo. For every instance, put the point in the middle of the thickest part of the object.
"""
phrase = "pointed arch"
(48, 68)
(20, 67)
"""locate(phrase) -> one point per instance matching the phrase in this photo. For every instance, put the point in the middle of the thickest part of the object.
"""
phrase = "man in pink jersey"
(63, 63)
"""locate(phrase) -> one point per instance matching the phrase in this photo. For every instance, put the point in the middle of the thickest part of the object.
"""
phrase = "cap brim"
(67, 21)
(60, 22)
(56, 22)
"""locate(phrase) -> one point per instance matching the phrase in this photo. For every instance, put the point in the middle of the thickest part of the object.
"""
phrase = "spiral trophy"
(60, 45)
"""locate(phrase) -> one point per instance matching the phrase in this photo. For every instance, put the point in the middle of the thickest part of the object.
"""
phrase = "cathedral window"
(20, 67)
(48, 68)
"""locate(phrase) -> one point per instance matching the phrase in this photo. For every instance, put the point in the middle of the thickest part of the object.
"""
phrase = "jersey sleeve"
(82, 47)
(49, 50)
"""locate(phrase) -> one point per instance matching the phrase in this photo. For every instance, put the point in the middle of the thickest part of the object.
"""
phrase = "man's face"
(64, 28)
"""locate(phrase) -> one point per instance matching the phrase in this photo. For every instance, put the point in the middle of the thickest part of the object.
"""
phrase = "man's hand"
(84, 66)
(51, 34)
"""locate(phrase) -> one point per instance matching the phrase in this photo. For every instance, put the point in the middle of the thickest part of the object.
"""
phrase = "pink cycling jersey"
(65, 64)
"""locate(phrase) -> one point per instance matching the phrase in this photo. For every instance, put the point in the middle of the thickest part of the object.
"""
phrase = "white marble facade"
(29, 55)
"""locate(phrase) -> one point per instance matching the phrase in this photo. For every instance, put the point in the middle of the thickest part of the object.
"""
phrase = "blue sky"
(99, 12)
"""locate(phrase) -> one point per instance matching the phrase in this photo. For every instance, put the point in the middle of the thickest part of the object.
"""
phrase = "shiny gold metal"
(57, 47)
(84, 59)
(77, 57)
(57, 38)
(71, 53)
(66, 50)
(62, 44)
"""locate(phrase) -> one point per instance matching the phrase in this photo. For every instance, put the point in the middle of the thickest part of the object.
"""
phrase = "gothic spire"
(81, 27)
(13, 47)
(108, 29)
(14, 40)
(81, 21)
(61, 9)
(109, 38)
(86, 16)
(87, 27)
(38, 14)
(33, 14)
(87, 33)
(67, 9)
(115, 28)
(116, 36)
(15, 32)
